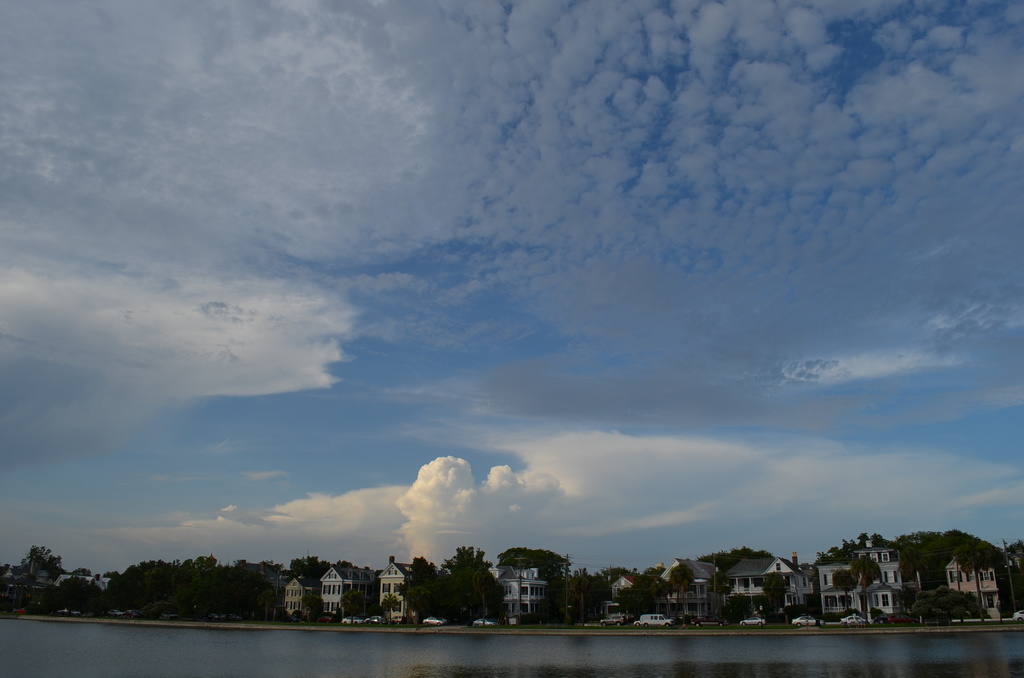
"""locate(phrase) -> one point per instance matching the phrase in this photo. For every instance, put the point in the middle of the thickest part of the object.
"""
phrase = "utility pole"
(1009, 576)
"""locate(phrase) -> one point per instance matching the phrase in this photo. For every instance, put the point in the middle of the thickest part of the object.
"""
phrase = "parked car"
(325, 619)
(894, 618)
(807, 620)
(484, 622)
(353, 620)
(752, 621)
(435, 621)
(616, 620)
(115, 613)
(375, 619)
(131, 614)
(708, 620)
(646, 620)
(1018, 616)
(853, 620)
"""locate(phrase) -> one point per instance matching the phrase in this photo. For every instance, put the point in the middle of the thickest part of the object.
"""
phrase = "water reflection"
(106, 651)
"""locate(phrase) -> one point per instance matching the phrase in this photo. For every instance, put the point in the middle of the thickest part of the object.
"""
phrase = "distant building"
(885, 594)
(525, 591)
(392, 579)
(338, 581)
(964, 581)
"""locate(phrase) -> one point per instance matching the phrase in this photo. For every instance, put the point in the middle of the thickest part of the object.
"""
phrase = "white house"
(696, 600)
(525, 591)
(338, 581)
(391, 580)
(885, 594)
(747, 578)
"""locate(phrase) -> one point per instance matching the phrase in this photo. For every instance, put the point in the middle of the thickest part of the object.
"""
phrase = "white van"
(653, 620)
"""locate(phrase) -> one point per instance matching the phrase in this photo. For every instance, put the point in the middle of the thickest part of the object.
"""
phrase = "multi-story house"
(696, 600)
(339, 580)
(884, 594)
(294, 592)
(964, 581)
(391, 580)
(525, 591)
(747, 578)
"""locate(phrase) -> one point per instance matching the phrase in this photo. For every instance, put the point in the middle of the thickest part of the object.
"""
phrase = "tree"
(466, 558)
(847, 551)
(389, 603)
(580, 586)
(484, 585)
(312, 605)
(352, 601)
(846, 582)
(726, 560)
(638, 599)
(310, 567)
(976, 557)
(866, 571)
(417, 598)
(944, 602)
(774, 587)
(680, 578)
(40, 558)
(268, 600)
(550, 565)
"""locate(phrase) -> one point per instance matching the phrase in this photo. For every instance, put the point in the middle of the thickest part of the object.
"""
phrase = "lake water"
(40, 649)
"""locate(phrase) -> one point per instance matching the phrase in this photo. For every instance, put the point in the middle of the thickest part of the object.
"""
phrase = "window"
(885, 557)
(386, 588)
(778, 567)
(824, 580)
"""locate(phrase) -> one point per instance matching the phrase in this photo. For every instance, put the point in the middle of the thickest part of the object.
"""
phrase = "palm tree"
(774, 587)
(353, 600)
(268, 600)
(389, 603)
(580, 587)
(844, 580)
(865, 571)
(416, 598)
(912, 563)
(310, 602)
(680, 578)
(483, 582)
(976, 557)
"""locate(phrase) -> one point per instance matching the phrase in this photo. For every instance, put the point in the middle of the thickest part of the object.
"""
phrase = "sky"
(624, 280)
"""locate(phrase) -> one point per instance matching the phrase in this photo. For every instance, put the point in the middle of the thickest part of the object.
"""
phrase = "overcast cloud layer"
(635, 280)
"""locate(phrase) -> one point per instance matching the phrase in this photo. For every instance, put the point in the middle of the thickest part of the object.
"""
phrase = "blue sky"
(624, 280)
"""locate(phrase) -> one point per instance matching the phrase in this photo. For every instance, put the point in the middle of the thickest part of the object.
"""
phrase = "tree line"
(462, 586)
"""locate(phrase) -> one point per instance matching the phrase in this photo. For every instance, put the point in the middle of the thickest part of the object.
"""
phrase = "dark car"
(325, 619)
(708, 620)
(131, 614)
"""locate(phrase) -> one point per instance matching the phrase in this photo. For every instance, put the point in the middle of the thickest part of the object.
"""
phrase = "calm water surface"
(38, 649)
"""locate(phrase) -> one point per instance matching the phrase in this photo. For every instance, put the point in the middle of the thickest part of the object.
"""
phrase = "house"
(964, 581)
(525, 591)
(339, 580)
(885, 594)
(747, 578)
(22, 582)
(697, 599)
(610, 608)
(392, 580)
(295, 590)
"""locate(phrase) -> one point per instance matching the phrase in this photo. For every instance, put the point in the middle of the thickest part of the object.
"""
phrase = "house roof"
(700, 569)
(755, 567)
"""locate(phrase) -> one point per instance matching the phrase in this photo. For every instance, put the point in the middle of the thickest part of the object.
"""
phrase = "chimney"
(796, 561)
(391, 559)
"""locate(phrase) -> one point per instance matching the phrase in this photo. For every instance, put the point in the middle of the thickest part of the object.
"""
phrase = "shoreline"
(988, 627)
